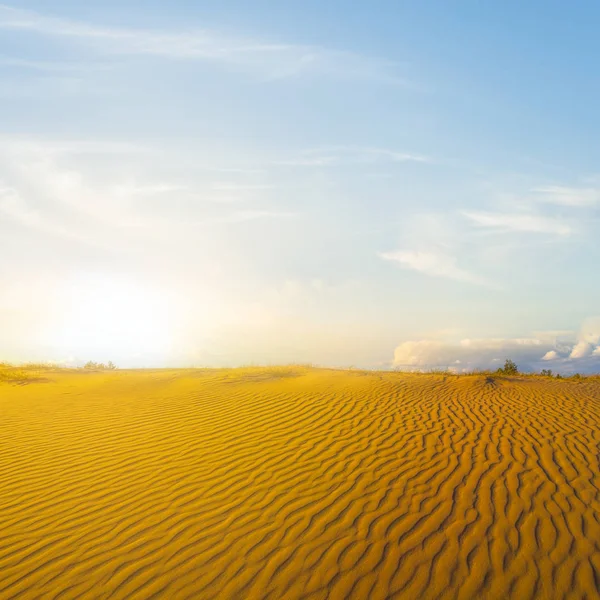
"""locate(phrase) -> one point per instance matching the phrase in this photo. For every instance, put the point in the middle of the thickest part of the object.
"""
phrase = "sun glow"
(109, 318)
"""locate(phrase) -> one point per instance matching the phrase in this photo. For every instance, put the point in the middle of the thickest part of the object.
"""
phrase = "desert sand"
(298, 483)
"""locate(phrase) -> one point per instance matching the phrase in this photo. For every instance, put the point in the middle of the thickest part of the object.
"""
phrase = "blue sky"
(394, 184)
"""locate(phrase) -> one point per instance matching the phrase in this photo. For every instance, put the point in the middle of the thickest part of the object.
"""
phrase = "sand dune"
(299, 483)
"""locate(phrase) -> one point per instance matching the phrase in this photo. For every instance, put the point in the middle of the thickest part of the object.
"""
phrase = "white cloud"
(251, 215)
(590, 331)
(229, 186)
(530, 353)
(317, 161)
(568, 196)
(472, 353)
(366, 154)
(133, 189)
(43, 179)
(507, 222)
(61, 147)
(60, 85)
(435, 264)
(13, 206)
(273, 60)
(49, 67)
(49, 187)
(581, 350)
(331, 156)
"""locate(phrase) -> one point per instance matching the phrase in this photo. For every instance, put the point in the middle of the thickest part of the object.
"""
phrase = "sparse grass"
(32, 371)
(95, 366)
(440, 371)
(47, 366)
(501, 372)
(266, 373)
(18, 375)
(14, 375)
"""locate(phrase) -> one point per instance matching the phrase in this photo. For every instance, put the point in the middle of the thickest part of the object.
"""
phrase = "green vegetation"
(509, 368)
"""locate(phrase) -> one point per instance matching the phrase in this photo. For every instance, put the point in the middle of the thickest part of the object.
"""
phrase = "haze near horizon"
(218, 184)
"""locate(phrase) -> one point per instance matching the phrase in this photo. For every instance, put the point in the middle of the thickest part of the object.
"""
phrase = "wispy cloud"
(43, 187)
(48, 66)
(516, 222)
(435, 264)
(272, 60)
(15, 208)
(230, 186)
(11, 205)
(239, 216)
(22, 144)
(331, 156)
(362, 154)
(568, 196)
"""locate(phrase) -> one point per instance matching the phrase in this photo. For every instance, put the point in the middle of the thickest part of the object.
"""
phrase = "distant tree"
(510, 368)
(111, 365)
(546, 372)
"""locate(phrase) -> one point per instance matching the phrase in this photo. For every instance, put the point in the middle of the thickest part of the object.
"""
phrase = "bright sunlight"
(105, 317)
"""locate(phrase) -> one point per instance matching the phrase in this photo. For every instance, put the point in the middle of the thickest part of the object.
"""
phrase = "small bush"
(509, 368)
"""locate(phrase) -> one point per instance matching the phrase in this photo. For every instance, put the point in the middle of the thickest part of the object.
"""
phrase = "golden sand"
(299, 483)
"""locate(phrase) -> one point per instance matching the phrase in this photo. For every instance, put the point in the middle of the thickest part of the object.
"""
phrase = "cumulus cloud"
(468, 353)
(581, 350)
(530, 353)
(433, 263)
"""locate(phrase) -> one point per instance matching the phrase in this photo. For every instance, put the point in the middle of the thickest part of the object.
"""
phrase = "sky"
(407, 185)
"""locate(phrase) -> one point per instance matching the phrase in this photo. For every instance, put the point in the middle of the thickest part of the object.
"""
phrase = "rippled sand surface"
(299, 483)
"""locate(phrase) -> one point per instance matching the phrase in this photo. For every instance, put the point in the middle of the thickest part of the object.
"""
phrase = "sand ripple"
(299, 483)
